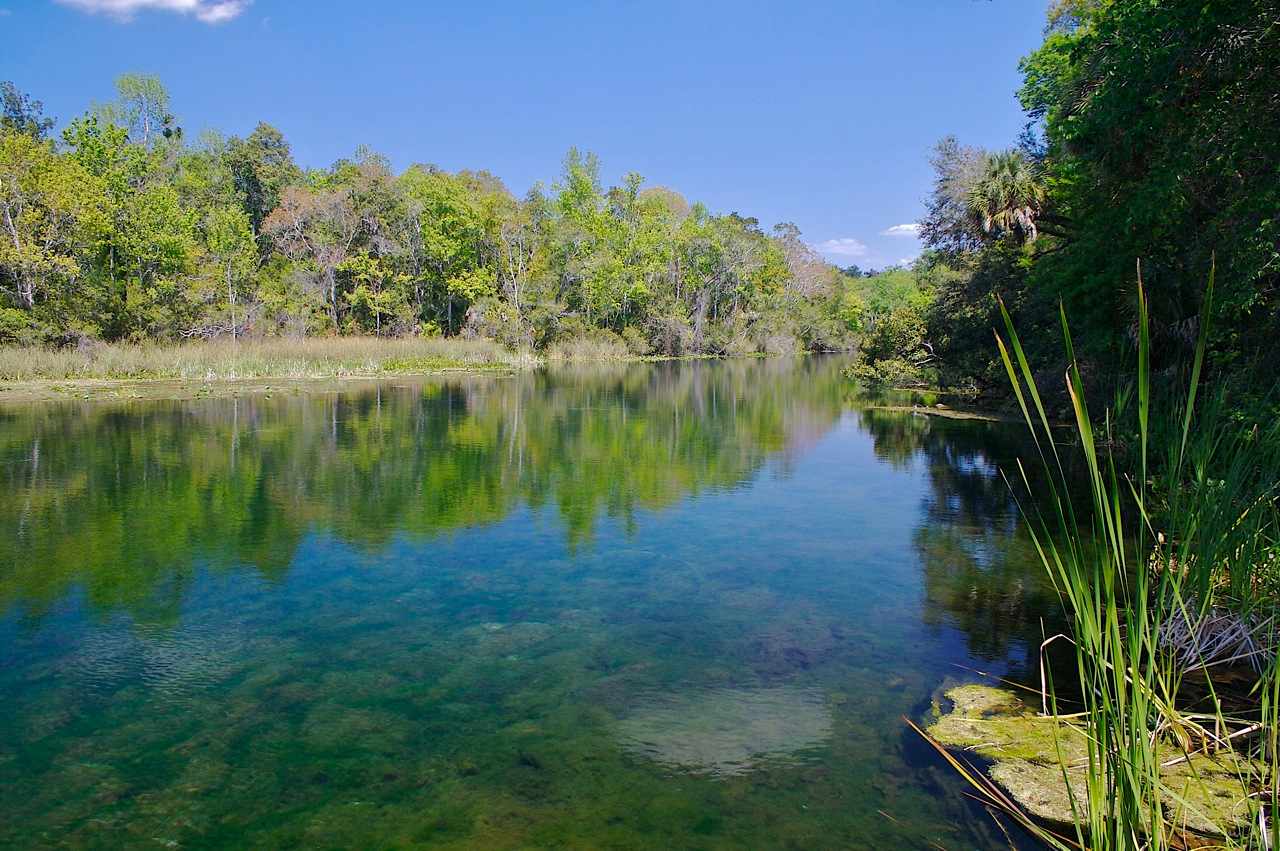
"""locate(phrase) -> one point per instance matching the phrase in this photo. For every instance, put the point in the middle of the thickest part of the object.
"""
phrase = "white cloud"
(843, 247)
(208, 11)
(912, 230)
(907, 261)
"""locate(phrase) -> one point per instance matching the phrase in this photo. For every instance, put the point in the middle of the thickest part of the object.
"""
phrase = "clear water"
(674, 605)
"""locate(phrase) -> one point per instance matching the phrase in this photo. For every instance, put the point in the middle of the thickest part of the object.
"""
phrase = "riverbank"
(195, 370)
(117, 371)
(160, 389)
(270, 358)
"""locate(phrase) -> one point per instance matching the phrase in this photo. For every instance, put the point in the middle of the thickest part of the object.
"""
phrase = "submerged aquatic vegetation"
(414, 614)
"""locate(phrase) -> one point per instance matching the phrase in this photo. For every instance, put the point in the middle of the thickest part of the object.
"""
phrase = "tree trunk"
(231, 301)
(699, 318)
(333, 297)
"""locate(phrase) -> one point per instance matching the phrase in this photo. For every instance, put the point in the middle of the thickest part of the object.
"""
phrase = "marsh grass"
(334, 357)
(590, 348)
(1148, 562)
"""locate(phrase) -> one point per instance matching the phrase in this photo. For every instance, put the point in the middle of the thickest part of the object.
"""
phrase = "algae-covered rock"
(998, 725)
(1205, 794)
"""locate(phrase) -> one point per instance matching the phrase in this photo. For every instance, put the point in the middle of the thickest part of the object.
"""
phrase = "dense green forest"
(123, 228)
(1153, 137)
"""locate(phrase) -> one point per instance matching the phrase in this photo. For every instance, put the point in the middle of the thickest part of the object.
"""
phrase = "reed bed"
(592, 348)
(334, 357)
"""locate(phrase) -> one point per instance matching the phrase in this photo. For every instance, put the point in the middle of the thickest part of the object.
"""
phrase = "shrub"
(595, 344)
(671, 335)
(897, 372)
(636, 341)
(494, 319)
(15, 326)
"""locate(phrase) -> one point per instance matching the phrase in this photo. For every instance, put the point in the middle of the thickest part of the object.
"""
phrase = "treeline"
(123, 228)
(1153, 136)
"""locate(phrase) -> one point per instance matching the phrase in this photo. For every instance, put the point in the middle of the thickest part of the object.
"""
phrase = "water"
(675, 605)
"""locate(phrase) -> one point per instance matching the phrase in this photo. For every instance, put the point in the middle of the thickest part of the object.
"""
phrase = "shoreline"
(946, 413)
(174, 388)
(38, 391)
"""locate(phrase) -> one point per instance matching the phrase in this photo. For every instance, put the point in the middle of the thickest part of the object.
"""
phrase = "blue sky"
(819, 113)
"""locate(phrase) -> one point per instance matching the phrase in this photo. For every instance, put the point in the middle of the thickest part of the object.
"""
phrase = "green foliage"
(56, 214)
(1171, 157)
(1141, 578)
(1153, 138)
(902, 330)
(261, 166)
(1008, 196)
(15, 326)
(127, 231)
(889, 312)
(21, 114)
(142, 108)
(377, 293)
(892, 372)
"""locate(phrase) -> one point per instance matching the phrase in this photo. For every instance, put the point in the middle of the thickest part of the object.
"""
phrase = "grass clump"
(1151, 558)
(598, 345)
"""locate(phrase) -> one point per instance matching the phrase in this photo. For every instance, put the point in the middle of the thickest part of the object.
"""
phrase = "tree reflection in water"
(126, 500)
(979, 569)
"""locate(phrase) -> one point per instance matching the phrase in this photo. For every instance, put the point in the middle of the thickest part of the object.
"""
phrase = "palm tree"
(1009, 196)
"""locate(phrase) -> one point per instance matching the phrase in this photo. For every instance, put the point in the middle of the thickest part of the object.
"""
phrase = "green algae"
(1206, 793)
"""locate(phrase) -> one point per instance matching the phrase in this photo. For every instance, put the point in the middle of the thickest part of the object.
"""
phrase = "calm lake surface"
(672, 606)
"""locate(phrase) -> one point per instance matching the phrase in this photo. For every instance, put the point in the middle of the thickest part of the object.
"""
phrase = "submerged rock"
(504, 639)
(1205, 794)
(727, 731)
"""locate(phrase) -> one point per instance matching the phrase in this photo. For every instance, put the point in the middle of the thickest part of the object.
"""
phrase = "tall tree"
(262, 166)
(229, 237)
(949, 224)
(1160, 123)
(1008, 196)
(318, 226)
(21, 114)
(142, 108)
(450, 235)
(51, 210)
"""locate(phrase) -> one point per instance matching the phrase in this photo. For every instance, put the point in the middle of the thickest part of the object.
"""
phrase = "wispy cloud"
(208, 11)
(845, 246)
(912, 230)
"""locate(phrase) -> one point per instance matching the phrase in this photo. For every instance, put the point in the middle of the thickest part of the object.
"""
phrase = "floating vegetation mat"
(726, 731)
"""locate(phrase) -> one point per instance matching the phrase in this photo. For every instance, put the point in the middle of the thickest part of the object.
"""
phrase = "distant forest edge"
(125, 229)
(1153, 135)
